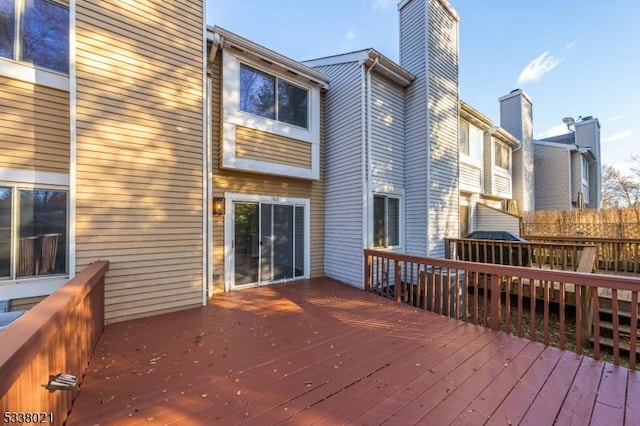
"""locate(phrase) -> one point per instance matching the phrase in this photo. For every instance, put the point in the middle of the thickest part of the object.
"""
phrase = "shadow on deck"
(320, 351)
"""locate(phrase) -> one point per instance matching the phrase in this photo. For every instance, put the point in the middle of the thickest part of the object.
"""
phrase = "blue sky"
(573, 58)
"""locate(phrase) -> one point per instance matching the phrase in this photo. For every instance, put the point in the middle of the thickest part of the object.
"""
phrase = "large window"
(470, 140)
(33, 232)
(386, 221)
(271, 97)
(35, 31)
(503, 157)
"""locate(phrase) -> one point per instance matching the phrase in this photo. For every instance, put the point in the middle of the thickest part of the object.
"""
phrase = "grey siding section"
(413, 50)
(443, 104)
(588, 135)
(387, 133)
(553, 180)
(576, 176)
(343, 174)
(516, 117)
(502, 186)
(494, 220)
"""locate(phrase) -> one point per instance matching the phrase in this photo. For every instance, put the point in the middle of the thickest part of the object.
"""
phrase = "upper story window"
(585, 170)
(470, 141)
(271, 97)
(35, 31)
(503, 156)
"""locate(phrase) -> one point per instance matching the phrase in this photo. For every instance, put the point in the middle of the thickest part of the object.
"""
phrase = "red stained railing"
(58, 335)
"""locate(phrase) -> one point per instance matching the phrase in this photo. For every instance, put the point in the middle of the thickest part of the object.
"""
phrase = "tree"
(619, 189)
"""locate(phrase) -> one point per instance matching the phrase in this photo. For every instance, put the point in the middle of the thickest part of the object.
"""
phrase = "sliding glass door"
(269, 242)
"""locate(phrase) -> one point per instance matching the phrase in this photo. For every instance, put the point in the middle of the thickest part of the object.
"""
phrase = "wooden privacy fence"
(613, 254)
(58, 335)
(473, 292)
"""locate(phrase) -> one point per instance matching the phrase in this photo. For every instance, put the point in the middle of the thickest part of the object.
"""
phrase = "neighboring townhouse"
(102, 108)
(568, 168)
(391, 173)
(485, 162)
(267, 164)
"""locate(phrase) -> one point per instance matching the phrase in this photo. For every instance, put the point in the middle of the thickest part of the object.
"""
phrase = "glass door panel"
(246, 243)
(266, 242)
(283, 242)
(299, 241)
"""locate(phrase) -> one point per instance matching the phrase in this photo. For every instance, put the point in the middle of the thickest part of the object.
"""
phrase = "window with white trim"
(271, 97)
(502, 156)
(36, 32)
(33, 231)
(470, 140)
(585, 170)
(386, 221)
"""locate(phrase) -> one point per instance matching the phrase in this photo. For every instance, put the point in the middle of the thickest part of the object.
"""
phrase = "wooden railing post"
(494, 285)
(367, 272)
(397, 284)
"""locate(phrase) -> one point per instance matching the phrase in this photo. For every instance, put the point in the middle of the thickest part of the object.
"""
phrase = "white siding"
(413, 49)
(343, 174)
(387, 133)
(470, 177)
(443, 104)
(490, 219)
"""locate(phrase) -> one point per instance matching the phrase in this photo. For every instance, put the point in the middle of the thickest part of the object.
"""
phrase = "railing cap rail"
(568, 277)
(524, 243)
(36, 327)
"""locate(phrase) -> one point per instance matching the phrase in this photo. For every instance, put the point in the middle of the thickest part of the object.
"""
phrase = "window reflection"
(7, 28)
(5, 232)
(45, 35)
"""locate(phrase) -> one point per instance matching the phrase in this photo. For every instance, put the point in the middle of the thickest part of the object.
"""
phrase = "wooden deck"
(321, 352)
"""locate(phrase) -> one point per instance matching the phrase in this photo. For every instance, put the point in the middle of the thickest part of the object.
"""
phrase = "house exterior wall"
(491, 219)
(34, 129)
(429, 50)
(516, 117)
(387, 133)
(235, 181)
(588, 135)
(263, 146)
(344, 198)
(576, 176)
(553, 178)
(139, 152)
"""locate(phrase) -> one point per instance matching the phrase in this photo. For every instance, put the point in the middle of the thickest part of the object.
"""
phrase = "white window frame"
(20, 287)
(233, 116)
(497, 147)
(474, 157)
(30, 73)
(399, 195)
(230, 198)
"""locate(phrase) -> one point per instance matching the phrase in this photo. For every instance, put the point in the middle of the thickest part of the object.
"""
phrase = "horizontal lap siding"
(387, 128)
(236, 181)
(139, 152)
(262, 146)
(493, 220)
(344, 218)
(34, 127)
(443, 105)
(553, 178)
(413, 28)
(471, 176)
(502, 186)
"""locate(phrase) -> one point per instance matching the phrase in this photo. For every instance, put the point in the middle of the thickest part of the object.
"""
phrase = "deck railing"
(58, 335)
(613, 254)
(498, 296)
(564, 256)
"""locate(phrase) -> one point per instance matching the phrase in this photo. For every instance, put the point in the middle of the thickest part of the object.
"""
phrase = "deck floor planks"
(610, 401)
(578, 405)
(395, 359)
(550, 398)
(515, 405)
(368, 393)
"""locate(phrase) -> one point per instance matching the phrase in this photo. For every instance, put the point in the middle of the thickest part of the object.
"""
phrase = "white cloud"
(556, 130)
(616, 118)
(351, 35)
(569, 46)
(537, 68)
(380, 4)
(626, 134)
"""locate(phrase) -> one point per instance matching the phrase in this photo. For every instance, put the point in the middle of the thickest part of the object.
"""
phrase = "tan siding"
(25, 303)
(257, 145)
(139, 168)
(34, 127)
(257, 184)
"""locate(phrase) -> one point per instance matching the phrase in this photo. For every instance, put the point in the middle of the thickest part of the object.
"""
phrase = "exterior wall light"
(218, 206)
